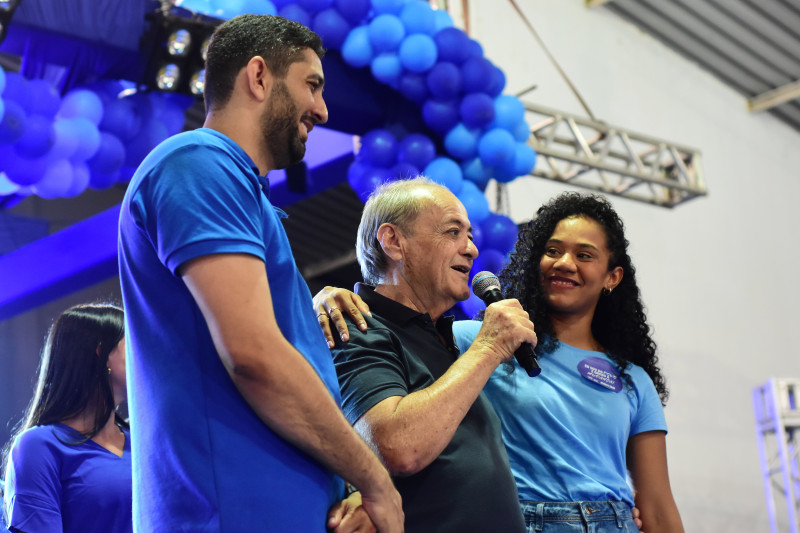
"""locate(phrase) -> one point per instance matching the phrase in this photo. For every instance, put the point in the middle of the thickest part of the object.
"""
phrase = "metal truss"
(777, 431)
(612, 160)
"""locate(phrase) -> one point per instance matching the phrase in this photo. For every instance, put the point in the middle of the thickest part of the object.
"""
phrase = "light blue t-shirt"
(54, 485)
(203, 460)
(565, 434)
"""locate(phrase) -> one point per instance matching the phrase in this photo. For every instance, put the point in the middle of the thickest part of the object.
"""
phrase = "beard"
(279, 127)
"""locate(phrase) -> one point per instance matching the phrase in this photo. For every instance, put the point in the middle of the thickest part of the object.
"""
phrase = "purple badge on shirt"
(601, 372)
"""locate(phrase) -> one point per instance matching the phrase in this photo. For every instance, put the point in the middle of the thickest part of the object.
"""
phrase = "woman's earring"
(605, 291)
(109, 371)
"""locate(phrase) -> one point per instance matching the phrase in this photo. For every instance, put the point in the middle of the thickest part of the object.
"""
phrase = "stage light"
(175, 49)
(197, 83)
(168, 77)
(7, 6)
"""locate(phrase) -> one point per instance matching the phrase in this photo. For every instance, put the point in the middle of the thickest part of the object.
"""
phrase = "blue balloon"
(452, 45)
(524, 159)
(12, 126)
(315, 5)
(489, 259)
(386, 68)
(418, 52)
(475, 203)
(230, 8)
(445, 171)
(20, 170)
(403, 171)
(82, 103)
(110, 155)
(418, 17)
(260, 7)
(477, 110)
(496, 147)
(476, 74)
(461, 142)
(173, 117)
(474, 48)
(88, 139)
(477, 235)
(67, 135)
(441, 20)
(508, 111)
(499, 232)
(379, 148)
(521, 164)
(364, 179)
(17, 91)
(296, 13)
(197, 6)
(497, 82)
(357, 48)
(38, 138)
(45, 98)
(2, 80)
(444, 80)
(80, 180)
(413, 86)
(521, 131)
(472, 305)
(353, 10)
(475, 172)
(57, 180)
(280, 3)
(386, 32)
(440, 115)
(387, 6)
(416, 149)
(152, 133)
(332, 27)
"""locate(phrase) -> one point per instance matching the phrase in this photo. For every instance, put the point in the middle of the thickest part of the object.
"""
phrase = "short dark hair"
(73, 369)
(279, 41)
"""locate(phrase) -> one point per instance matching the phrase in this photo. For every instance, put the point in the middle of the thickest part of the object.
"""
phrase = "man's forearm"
(410, 434)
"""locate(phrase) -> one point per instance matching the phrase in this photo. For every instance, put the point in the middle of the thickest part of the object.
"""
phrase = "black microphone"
(486, 286)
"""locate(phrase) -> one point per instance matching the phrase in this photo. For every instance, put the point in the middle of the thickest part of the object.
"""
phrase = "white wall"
(718, 274)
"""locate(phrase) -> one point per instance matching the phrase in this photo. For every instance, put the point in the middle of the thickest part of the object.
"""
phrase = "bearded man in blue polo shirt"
(235, 409)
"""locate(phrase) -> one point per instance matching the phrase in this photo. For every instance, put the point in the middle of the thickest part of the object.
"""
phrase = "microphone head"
(484, 281)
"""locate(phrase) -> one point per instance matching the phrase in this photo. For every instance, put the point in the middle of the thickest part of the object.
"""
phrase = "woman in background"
(68, 465)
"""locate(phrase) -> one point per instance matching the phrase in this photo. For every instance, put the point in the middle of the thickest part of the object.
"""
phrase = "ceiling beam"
(596, 3)
(774, 97)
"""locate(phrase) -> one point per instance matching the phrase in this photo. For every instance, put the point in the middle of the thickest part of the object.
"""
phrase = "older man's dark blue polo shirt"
(469, 487)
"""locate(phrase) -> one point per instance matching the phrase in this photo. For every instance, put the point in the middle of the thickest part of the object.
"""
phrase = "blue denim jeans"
(578, 517)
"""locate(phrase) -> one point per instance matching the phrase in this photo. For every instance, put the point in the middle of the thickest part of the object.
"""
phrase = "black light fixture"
(7, 8)
(175, 51)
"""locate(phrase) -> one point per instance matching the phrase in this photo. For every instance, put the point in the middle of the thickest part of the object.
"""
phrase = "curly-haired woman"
(68, 465)
(595, 412)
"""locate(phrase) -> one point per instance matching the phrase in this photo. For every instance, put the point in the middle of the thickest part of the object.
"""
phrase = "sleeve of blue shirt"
(33, 486)
(649, 413)
(465, 332)
(195, 204)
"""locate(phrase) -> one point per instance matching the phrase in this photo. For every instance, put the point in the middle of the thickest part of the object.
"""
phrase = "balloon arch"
(96, 135)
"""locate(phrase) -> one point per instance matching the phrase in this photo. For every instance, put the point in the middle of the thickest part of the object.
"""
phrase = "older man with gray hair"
(405, 387)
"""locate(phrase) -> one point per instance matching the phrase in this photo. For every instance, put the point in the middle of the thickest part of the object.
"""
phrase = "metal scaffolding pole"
(612, 160)
(777, 409)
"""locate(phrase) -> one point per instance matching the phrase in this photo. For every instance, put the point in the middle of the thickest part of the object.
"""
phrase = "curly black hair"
(619, 322)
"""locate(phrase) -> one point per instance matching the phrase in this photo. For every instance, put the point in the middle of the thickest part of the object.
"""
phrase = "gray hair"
(396, 202)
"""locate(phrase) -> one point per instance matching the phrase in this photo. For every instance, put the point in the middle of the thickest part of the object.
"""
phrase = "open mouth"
(461, 268)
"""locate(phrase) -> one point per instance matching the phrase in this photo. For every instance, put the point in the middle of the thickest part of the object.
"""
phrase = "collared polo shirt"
(469, 487)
